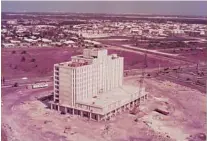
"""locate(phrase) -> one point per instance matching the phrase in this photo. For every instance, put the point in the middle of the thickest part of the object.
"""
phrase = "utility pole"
(197, 67)
(159, 67)
(145, 60)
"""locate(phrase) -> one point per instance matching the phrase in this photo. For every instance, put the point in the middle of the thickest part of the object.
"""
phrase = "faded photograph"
(103, 70)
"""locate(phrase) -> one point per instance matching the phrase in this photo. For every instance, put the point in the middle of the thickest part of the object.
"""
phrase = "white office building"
(91, 85)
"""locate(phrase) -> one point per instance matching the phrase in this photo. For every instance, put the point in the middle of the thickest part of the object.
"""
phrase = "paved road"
(23, 84)
(150, 51)
(156, 54)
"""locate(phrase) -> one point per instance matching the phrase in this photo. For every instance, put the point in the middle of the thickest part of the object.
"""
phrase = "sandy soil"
(31, 120)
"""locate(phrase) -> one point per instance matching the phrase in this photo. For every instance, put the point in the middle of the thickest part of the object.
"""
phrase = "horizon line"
(102, 13)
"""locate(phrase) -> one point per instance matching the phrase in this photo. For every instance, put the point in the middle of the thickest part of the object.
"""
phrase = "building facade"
(91, 85)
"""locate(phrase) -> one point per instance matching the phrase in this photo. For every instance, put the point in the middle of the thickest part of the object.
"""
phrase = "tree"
(33, 60)
(23, 52)
(15, 84)
(13, 52)
(3, 80)
(15, 67)
(23, 59)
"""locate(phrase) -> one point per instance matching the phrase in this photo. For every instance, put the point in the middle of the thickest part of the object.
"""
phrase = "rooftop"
(73, 64)
(120, 94)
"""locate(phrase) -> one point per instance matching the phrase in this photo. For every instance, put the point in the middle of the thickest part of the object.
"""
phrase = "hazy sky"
(133, 7)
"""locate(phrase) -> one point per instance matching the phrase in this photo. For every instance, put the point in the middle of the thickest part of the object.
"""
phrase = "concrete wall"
(89, 108)
(66, 93)
(78, 83)
(84, 82)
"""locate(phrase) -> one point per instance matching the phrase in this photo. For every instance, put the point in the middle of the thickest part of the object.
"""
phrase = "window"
(56, 68)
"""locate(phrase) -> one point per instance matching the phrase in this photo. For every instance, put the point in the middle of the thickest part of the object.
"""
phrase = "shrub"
(15, 84)
(15, 67)
(13, 52)
(33, 60)
(3, 79)
(23, 52)
(23, 59)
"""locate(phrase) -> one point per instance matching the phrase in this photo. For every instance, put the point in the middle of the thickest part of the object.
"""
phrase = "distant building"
(12, 22)
(7, 45)
(46, 40)
(202, 32)
(136, 31)
(91, 85)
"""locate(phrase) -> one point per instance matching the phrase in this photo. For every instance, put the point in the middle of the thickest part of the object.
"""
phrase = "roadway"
(152, 53)
(29, 81)
(22, 82)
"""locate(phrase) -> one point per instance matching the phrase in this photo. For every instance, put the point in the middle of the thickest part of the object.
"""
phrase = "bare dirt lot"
(31, 120)
(189, 54)
(134, 60)
(194, 55)
(38, 62)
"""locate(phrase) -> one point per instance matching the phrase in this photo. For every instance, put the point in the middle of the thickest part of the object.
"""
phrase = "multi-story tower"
(87, 75)
(86, 81)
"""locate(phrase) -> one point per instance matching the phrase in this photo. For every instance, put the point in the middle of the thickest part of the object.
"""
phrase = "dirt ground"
(31, 120)
(187, 53)
(14, 67)
(191, 54)
(3, 135)
(134, 60)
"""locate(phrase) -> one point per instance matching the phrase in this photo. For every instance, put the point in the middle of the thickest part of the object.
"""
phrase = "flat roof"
(118, 94)
(82, 57)
(73, 64)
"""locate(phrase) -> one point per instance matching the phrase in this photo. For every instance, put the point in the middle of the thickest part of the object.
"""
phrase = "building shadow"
(46, 99)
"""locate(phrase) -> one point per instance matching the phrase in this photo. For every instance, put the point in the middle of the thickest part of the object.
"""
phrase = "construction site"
(91, 85)
(126, 88)
(172, 104)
